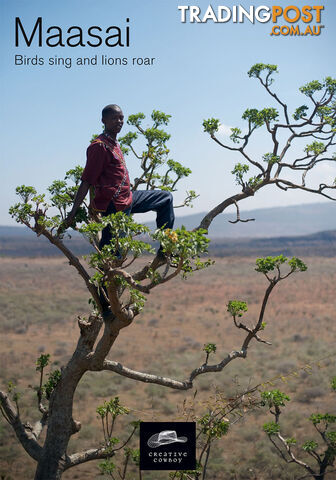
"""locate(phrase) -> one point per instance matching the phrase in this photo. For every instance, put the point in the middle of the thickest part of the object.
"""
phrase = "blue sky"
(50, 112)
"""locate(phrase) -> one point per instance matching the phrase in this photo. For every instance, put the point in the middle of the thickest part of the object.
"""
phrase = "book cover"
(228, 109)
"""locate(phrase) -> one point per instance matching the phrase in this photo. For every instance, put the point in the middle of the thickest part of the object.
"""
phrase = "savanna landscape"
(41, 299)
(190, 326)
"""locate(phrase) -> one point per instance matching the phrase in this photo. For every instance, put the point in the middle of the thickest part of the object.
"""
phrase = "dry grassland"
(39, 303)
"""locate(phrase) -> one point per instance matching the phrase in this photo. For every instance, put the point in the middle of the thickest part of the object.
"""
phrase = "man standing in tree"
(106, 174)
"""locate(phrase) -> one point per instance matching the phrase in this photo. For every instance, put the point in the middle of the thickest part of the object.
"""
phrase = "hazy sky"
(50, 112)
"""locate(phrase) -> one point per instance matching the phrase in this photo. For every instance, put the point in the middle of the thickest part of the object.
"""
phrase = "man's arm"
(95, 158)
(81, 194)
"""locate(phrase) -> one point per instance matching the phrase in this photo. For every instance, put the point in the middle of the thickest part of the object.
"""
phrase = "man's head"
(112, 118)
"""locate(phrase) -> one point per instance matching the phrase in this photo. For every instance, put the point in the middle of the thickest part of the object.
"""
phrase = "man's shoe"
(160, 259)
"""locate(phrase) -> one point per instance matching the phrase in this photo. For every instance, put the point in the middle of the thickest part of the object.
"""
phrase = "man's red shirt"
(106, 171)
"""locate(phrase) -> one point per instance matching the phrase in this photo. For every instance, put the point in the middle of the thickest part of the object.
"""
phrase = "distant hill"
(322, 244)
(296, 230)
(269, 222)
(22, 242)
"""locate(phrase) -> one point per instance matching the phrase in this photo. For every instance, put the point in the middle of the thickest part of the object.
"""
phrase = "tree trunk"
(61, 425)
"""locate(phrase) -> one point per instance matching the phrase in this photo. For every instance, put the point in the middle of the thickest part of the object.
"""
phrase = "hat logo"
(164, 438)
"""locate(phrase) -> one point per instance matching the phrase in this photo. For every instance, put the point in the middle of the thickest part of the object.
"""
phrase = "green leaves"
(184, 248)
(157, 136)
(315, 148)
(254, 117)
(154, 158)
(107, 467)
(181, 242)
(271, 428)
(273, 264)
(274, 398)
(61, 195)
(12, 390)
(74, 174)
(160, 118)
(309, 445)
(26, 193)
(316, 418)
(22, 213)
(123, 229)
(113, 408)
(236, 308)
(269, 114)
(186, 474)
(128, 139)
(311, 87)
(257, 118)
(270, 158)
(179, 169)
(34, 206)
(210, 348)
(327, 114)
(213, 427)
(300, 112)
(137, 299)
(42, 361)
(297, 264)
(211, 125)
(331, 436)
(133, 453)
(50, 385)
(108, 412)
(258, 68)
(268, 264)
(54, 377)
(136, 119)
(330, 85)
(333, 383)
(239, 170)
(235, 135)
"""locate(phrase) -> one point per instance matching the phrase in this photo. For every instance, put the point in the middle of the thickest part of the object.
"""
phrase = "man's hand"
(69, 221)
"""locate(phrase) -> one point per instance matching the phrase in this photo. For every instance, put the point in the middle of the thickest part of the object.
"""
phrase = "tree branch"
(238, 216)
(87, 456)
(145, 377)
(24, 434)
(74, 261)
(209, 217)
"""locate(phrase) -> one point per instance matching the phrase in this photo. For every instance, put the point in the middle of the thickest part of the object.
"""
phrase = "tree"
(125, 290)
(324, 455)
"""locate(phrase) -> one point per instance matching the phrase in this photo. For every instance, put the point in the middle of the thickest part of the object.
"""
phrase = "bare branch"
(87, 456)
(39, 426)
(145, 377)
(238, 216)
(24, 433)
(292, 456)
(129, 279)
(209, 217)
(74, 261)
(286, 184)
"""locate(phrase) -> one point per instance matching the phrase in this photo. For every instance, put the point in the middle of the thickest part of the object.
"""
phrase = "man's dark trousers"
(159, 201)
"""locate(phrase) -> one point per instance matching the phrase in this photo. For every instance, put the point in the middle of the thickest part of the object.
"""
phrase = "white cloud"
(224, 130)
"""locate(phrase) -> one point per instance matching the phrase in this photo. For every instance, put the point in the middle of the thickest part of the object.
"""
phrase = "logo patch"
(167, 446)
